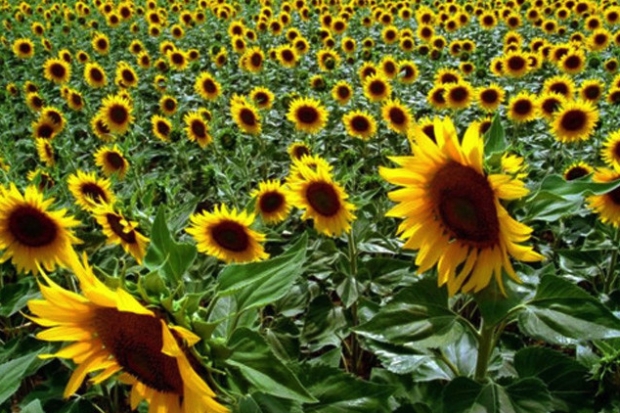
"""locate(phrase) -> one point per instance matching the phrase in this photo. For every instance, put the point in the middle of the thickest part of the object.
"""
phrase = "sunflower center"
(550, 105)
(256, 60)
(231, 236)
(102, 44)
(459, 94)
(96, 75)
(45, 131)
(118, 114)
(209, 86)
(560, 88)
(574, 120)
(32, 227)
(177, 58)
(614, 196)
(397, 116)
(94, 191)
(465, 204)
(163, 128)
(128, 76)
(24, 48)
(343, 92)
(261, 98)
(198, 128)
(270, 202)
(523, 107)
(323, 198)
(115, 160)
(247, 117)
(572, 62)
(576, 172)
(449, 78)
(360, 124)
(489, 96)
(516, 63)
(119, 229)
(77, 99)
(57, 70)
(301, 151)
(377, 88)
(307, 114)
(135, 341)
(288, 56)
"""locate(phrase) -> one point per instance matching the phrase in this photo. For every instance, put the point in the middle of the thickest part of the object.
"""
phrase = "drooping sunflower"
(161, 127)
(116, 114)
(120, 231)
(89, 191)
(574, 121)
(577, 170)
(23, 48)
(226, 235)
(342, 92)
(307, 114)
(111, 161)
(45, 150)
(322, 199)
(360, 124)
(31, 234)
(271, 201)
(610, 152)
(523, 107)
(490, 97)
(376, 87)
(452, 211)
(262, 97)
(57, 70)
(207, 87)
(197, 129)
(95, 75)
(246, 116)
(607, 206)
(114, 333)
(396, 115)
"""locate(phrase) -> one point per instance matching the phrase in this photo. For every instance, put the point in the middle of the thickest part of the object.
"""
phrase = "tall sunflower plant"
(482, 277)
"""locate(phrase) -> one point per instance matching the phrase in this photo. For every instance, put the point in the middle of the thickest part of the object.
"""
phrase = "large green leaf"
(339, 392)
(33, 407)
(494, 305)
(13, 297)
(263, 403)
(324, 324)
(463, 395)
(496, 137)
(11, 374)
(258, 365)
(562, 313)
(566, 379)
(418, 315)
(165, 254)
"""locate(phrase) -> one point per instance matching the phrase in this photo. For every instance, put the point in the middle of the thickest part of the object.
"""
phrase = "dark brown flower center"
(256, 60)
(465, 203)
(288, 55)
(300, 151)
(576, 172)
(178, 59)
(209, 86)
(438, 96)
(163, 128)
(25, 48)
(32, 227)
(459, 94)
(119, 114)
(114, 160)
(102, 44)
(198, 128)
(76, 99)
(397, 116)
(231, 236)
(516, 63)
(489, 96)
(343, 92)
(128, 76)
(135, 341)
(360, 124)
(247, 117)
(377, 87)
(57, 70)
(572, 62)
(94, 192)
(323, 198)
(170, 105)
(119, 229)
(45, 131)
(559, 87)
(307, 114)
(449, 78)
(96, 75)
(574, 120)
(270, 202)
(523, 107)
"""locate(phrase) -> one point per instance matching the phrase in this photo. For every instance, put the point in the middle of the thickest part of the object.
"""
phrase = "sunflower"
(262, 97)
(178, 60)
(23, 48)
(253, 59)
(246, 116)
(342, 92)
(34, 101)
(31, 234)
(271, 201)
(591, 89)
(226, 235)
(287, 56)
(408, 71)
(298, 150)
(307, 114)
(458, 95)
(446, 75)
(45, 150)
(168, 105)
(607, 206)
(114, 333)
(116, 114)
(121, 232)
(561, 84)
(490, 97)
(197, 129)
(452, 211)
(111, 161)
(44, 128)
(573, 62)
(376, 87)
(100, 129)
(75, 100)
(610, 152)
(89, 191)
(360, 124)
(523, 107)
(95, 75)
(577, 170)
(327, 59)
(396, 115)
(101, 43)
(323, 199)
(161, 127)
(436, 97)
(549, 104)
(515, 64)
(207, 87)
(57, 70)
(574, 121)
(126, 76)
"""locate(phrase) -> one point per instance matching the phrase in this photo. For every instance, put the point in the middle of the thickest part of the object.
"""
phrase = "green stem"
(610, 281)
(486, 341)
(356, 353)
(352, 253)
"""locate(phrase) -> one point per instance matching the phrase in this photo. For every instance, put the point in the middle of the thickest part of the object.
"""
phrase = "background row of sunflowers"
(309, 206)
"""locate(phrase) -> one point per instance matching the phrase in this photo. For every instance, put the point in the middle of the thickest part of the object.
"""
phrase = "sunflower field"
(309, 206)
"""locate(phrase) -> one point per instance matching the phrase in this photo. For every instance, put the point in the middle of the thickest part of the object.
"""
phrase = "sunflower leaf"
(562, 313)
(11, 374)
(496, 137)
(173, 257)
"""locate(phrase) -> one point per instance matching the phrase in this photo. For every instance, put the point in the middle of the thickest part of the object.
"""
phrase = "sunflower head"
(271, 202)
(307, 114)
(90, 191)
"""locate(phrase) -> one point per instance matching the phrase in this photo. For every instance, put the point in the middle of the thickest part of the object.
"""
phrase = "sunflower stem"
(486, 341)
(355, 351)
(610, 281)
